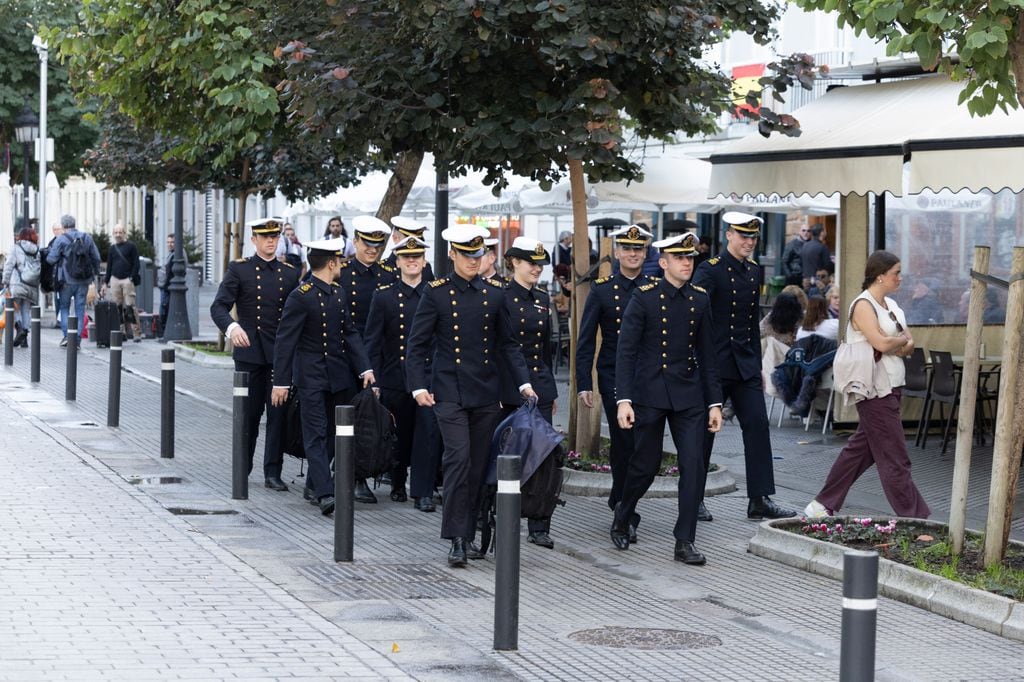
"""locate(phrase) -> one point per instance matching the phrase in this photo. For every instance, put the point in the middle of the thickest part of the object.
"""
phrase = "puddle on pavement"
(187, 511)
(154, 480)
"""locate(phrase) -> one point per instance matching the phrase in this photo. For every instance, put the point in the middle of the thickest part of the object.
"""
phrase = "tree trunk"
(1015, 48)
(400, 184)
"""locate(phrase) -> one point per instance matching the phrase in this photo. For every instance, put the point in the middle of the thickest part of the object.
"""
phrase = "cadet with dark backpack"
(78, 262)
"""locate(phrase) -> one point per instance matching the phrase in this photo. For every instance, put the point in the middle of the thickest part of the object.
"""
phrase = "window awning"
(856, 139)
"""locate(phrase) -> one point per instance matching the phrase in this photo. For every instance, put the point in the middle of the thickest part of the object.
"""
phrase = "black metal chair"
(560, 329)
(944, 389)
(916, 386)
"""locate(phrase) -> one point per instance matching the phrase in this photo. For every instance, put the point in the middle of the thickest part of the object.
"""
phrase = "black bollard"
(239, 438)
(506, 554)
(34, 342)
(114, 385)
(166, 402)
(860, 613)
(71, 374)
(344, 483)
(8, 332)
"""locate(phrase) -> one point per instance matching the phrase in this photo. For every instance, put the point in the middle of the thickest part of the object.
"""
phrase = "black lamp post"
(176, 326)
(26, 130)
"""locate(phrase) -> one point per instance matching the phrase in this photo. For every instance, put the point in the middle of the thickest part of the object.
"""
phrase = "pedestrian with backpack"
(78, 262)
(21, 274)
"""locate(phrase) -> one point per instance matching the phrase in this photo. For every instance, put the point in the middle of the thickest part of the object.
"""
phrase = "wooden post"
(1000, 500)
(968, 397)
(580, 421)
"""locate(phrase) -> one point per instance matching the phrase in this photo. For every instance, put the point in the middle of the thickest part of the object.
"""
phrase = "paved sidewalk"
(741, 617)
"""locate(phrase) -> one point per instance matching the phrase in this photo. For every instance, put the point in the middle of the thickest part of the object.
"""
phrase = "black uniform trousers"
(547, 411)
(318, 435)
(621, 445)
(748, 403)
(260, 385)
(467, 434)
(687, 428)
(418, 446)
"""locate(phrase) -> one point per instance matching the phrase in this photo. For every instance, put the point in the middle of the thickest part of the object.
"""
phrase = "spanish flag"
(744, 79)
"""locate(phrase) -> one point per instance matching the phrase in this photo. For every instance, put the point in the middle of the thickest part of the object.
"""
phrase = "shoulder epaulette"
(712, 261)
(648, 286)
(382, 287)
(305, 287)
(438, 282)
(386, 268)
(289, 265)
(241, 260)
(602, 280)
(751, 260)
(495, 282)
(343, 265)
(654, 278)
(698, 288)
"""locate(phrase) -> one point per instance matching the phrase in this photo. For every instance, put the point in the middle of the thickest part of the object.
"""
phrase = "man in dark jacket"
(319, 352)
(792, 265)
(122, 278)
(72, 285)
(257, 287)
(814, 256)
(665, 371)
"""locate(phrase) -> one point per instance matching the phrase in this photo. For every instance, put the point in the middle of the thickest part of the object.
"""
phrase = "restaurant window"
(934, 235)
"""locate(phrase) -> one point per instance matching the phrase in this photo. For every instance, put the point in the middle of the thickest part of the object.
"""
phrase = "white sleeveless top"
(892, 364)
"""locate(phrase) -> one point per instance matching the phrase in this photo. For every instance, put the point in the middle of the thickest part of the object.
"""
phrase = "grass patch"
(208, 347)
(919, 546)
(599, 461)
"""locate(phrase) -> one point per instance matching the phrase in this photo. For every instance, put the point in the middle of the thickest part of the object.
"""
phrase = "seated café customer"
(783, 320)
(817, 322)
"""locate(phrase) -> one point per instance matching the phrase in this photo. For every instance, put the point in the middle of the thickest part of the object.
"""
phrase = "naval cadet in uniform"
(319, 352)
(732, 280)
(360, 277)
(665, 372)
(603, 311)
(418, 446)
(408, 227)
(257, 287)
(459, 317)
(488, 263)
(527, 313)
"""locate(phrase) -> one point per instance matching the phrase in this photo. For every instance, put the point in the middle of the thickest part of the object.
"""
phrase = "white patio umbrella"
(6, 216)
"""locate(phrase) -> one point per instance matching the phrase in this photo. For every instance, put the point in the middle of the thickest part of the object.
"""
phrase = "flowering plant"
(849, 530)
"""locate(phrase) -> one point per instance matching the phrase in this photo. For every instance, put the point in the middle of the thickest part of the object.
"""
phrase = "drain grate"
(647, 639)
(187, 511)
(391, 581)
(154, 480)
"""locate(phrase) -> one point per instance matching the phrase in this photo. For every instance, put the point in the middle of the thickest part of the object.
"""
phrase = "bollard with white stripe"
(860, 613)
(239, 437)
(166, 403)
(506, 554)
(9, 332)
(114, 383)
(71, 373)
(344, 482)
(34, 342)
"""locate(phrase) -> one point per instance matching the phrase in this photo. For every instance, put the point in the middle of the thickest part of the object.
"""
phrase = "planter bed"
(595, 484)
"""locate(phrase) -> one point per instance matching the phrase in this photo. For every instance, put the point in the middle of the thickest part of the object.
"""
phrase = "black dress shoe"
(275, 483)
(363, 492)
(703, 514)
(475, 553)
(398, 495)
(424, 504)
(764, 508)
(326, 504)
(632, 534)
(688, 554)
(541, 539)
(457, 554)
(385, 478)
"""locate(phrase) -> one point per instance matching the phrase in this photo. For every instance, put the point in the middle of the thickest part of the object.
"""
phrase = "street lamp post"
(26, 130)
(176, 327)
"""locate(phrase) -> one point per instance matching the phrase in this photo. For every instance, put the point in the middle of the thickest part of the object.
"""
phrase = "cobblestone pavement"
(760, 620)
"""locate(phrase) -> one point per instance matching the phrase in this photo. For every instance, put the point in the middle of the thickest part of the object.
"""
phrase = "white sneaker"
(816, 510)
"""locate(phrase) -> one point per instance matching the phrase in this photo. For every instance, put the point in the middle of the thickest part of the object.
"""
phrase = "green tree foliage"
(979, 42)
(514, 86)
(146, 249)
(19, 83)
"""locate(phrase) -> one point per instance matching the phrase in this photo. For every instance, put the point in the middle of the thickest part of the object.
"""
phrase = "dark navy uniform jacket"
(318, 347)
(462, 321)
(387, 331)
(527, 313)
(733, 287)
(392, 262)
(257, 289)
(666, 353)
(605, 304)
(359, 282)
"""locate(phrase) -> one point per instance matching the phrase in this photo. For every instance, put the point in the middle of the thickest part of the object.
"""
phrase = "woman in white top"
(817, 321)
(879, 439)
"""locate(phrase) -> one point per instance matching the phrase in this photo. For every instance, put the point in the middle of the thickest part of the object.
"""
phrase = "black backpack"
(374, 435)
(77, 260)
(47, 274)
(539, 495)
